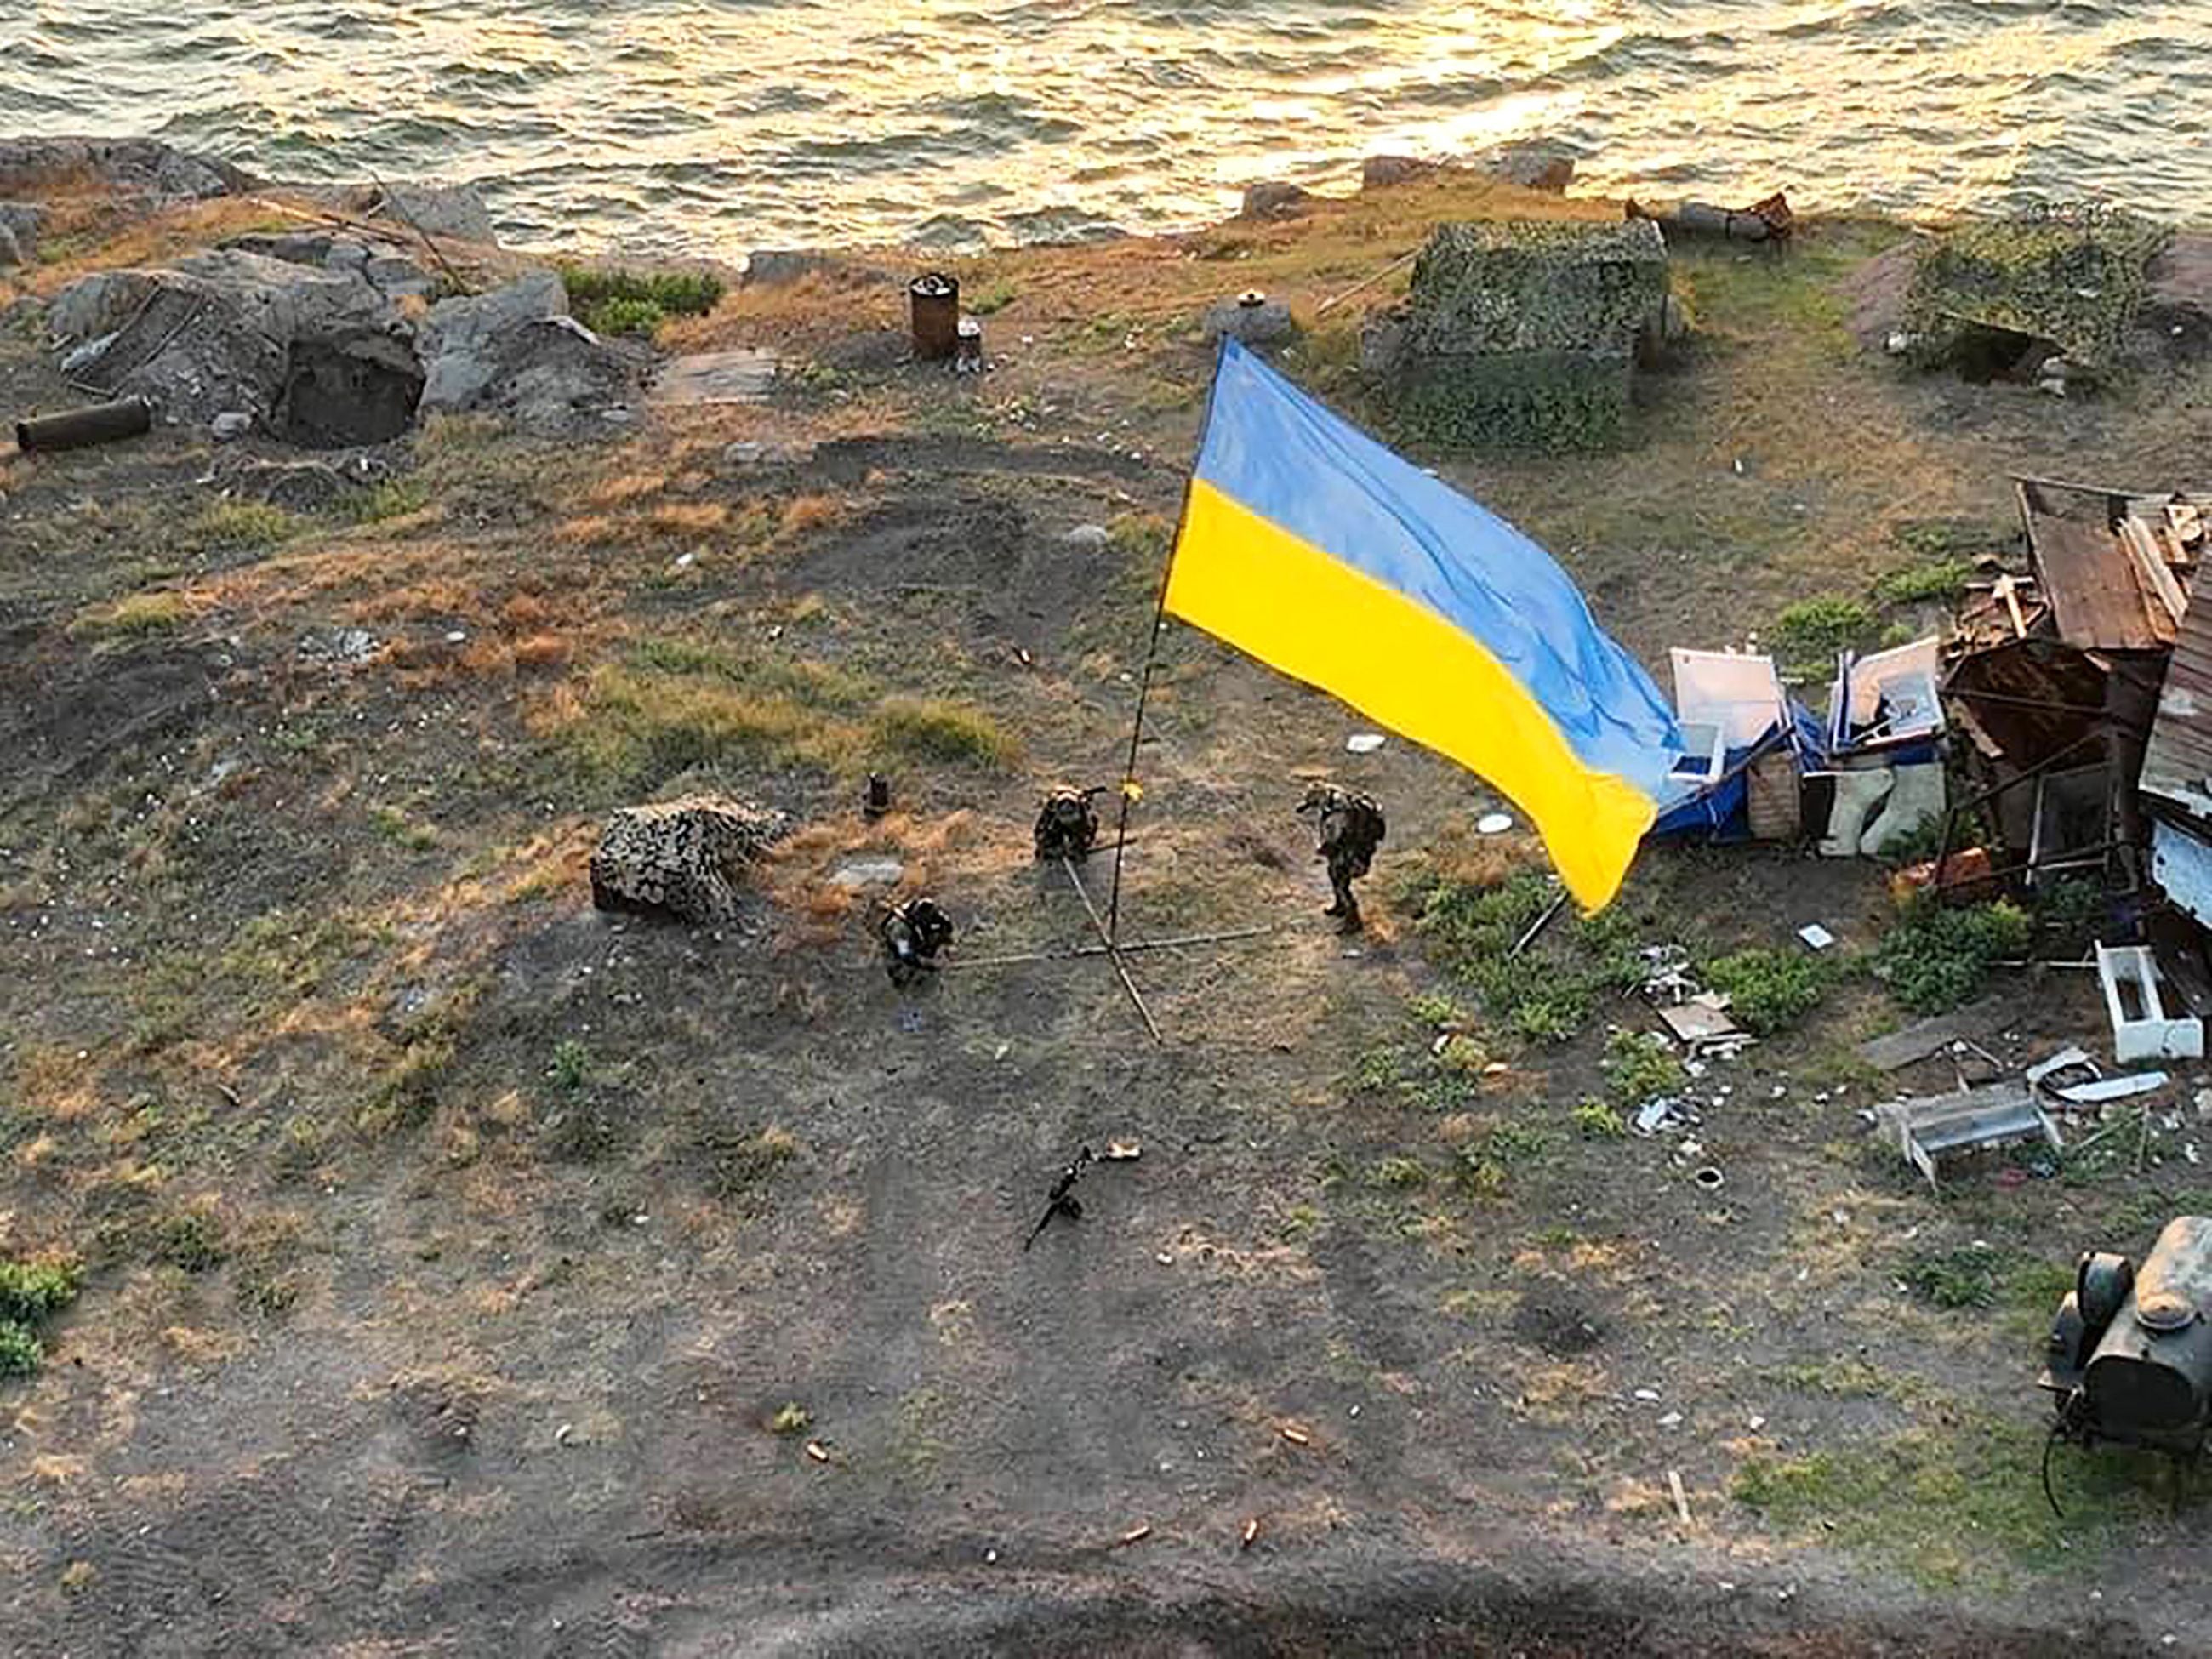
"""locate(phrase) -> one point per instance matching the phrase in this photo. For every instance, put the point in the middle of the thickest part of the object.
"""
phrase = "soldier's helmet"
(1319, 798)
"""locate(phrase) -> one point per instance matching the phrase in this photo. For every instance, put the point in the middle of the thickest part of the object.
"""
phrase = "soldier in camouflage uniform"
(1347, 828)
(1067, 823)
(912, 934)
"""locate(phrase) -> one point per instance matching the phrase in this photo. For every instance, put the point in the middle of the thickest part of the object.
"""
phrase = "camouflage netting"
(2076, 280)
(1523, 333)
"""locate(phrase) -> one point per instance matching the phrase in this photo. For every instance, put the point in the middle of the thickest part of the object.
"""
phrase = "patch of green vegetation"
(1487, 1163)
(33, 1291)
(1640, 1065)
(134, 617)
(195, 1239)
(268, 1295)
(1839, 1379)
(395, 498)
(943, 732)
(1937, 959)
(1769, 990)
(989, 301)
(792, 1419)
(393, 823)
(1547, 992)
(1955, 1279)
(572, 1066)
(1809, 633)
(1925, 840)
(1956, 1504)
(1598, 1120)
(234, 525)
(21, 1351)
(618, 302)
(1398, 1174)
(1919, 584)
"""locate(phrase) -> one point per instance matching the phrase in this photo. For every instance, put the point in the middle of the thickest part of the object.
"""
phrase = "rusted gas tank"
(2149, 1379)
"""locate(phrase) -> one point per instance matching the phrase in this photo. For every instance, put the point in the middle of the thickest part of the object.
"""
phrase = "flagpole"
(1152, 653)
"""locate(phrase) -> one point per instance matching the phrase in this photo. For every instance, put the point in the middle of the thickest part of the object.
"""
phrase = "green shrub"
(1814, 629)
(792, 1418)
(572, 1066)
(1937, 959)
(1599, 1122)
(617, 301)
(31, 1291)
(1398, 1174)
(1953, 1279)
(1940, 579)
(1640, 1066)
(1769, 990)
(21, 1350)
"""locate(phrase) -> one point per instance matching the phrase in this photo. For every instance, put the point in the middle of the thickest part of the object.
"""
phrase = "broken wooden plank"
(1930, 1036)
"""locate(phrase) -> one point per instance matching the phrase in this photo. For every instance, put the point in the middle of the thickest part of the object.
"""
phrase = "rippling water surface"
(718, 126)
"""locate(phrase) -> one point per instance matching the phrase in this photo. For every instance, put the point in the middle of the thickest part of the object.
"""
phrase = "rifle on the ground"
(1063, 1200)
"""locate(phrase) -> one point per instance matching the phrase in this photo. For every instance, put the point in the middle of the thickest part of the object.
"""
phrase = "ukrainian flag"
(1313, 547)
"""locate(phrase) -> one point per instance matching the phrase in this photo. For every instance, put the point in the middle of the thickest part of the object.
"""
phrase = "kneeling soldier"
(912, 934)
(1067, 823)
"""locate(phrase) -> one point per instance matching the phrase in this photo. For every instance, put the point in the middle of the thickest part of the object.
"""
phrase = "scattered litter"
(1710, 1178)
(990, 1557)
(1122, 1152)
(1755, 1422)
(2112, 1088)
(685, 561)
(856, 873)
(1647, 1396)
(1925, 1129)
(458, 636)
(1493, 823)
(1134, 1536)
(1251, 1533)
(1165, 1258)
(818, 1451)
(1666, 974)
(1702, 1024)
(2130, 978)
(1663, 1115)
(2066, 1059)
(564, 1434)
(1296, 1436)
(1672, 1420)
(1365, 742)
(1002, 1051)
(1681, 1497)
(1919, 1040)
(1816, 936)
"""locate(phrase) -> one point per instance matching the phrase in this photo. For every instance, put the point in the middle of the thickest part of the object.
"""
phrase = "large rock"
(321, 357)
(684, 857)
(516, 351)
(1275, 200)
(1531, 164)
(440, 210)
(1382, 171)
(143, 165)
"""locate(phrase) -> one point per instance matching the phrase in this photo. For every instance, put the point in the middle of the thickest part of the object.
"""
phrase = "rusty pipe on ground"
(80, 428)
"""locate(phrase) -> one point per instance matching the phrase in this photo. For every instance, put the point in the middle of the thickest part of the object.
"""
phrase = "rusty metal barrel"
(934, 300)
(79, 428)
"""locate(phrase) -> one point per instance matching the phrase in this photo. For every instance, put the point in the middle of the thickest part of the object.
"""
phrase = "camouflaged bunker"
(1522, 333)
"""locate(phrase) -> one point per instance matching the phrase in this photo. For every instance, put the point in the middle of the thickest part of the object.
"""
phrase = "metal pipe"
(79, 428)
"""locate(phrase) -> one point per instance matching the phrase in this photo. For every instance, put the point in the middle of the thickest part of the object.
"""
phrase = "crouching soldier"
(1347, 828)
(1067, 823)
(912, 934)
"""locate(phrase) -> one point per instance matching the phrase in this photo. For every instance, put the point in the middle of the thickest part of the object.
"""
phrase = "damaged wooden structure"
(2055, 678)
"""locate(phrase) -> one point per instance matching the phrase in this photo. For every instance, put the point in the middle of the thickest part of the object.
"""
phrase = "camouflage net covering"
(2075, 278)
(1522, 334)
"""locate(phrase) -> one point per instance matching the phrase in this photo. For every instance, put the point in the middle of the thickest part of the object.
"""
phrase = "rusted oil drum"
(934, 299)
(2150, 1379)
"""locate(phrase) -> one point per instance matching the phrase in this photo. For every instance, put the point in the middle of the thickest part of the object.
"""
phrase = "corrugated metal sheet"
(2095, 593)
(2182, 865)
(2177, 763)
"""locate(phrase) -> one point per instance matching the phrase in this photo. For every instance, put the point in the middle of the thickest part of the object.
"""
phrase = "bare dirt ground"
(453, 1250)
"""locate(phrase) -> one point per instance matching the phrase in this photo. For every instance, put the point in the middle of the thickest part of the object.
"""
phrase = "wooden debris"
(1296, 1436)
(818, 1451)
(1123, 1151)
(1134, 1536)
(1682, 1498)
(1251, 1533)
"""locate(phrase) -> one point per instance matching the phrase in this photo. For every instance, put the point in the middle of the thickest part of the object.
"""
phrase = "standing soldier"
(1347, 828)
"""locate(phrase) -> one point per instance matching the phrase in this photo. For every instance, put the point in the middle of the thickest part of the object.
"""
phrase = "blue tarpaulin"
(1721, 811)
